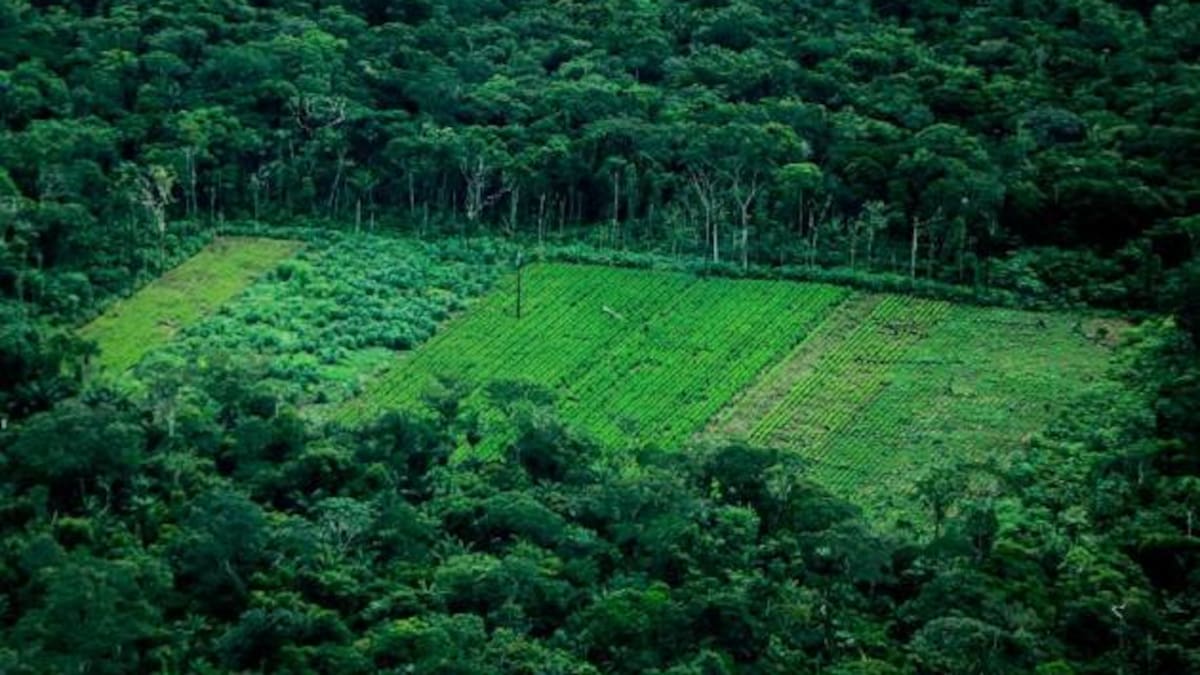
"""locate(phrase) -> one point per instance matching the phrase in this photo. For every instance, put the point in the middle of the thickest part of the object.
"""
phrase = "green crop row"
(849, 376)
(967, 394)
(716, 340)
(633, 357)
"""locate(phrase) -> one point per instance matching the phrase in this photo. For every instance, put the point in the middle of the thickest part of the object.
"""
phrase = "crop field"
(634, 357)
(874, 404)
(151, 317)
(871, 390)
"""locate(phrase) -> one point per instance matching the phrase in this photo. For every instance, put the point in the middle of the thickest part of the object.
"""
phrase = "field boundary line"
(777, 379)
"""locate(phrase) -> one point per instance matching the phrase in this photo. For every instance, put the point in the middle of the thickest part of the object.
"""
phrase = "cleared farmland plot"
(132, 327)
(635, 357)
(916, 384)
(873, 390)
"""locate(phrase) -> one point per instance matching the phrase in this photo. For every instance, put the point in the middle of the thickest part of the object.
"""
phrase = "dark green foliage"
(94, 613)
(78, 451)
(292, 548)
(1183, 299)
(739, 132)
(34, 362)
(1009, 153)
(400, 451)
(218, 546)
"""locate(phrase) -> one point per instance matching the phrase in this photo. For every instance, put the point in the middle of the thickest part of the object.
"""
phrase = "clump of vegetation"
(206, 526)
(130, 329)
(339, 310)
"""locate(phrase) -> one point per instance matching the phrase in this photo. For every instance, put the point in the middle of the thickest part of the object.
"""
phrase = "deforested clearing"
(132, 327)
(630, 355)
(874, 391)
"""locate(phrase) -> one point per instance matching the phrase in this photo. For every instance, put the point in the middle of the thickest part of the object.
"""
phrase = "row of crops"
(663, 383)
(981, 382)
(918, 384)
(633, 357)
(848, 377)
(873, 390)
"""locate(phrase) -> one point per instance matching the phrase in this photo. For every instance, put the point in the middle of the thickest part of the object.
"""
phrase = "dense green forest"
(197, 510)
(924, 137)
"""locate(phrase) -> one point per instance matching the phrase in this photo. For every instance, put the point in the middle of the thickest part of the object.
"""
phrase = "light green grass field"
(872, 390)
(134, 326)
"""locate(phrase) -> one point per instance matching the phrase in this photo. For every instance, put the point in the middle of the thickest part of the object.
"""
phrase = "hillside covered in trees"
(927, 137)
(205, 467)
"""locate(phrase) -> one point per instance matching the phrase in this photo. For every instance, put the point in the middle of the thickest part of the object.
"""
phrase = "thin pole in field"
(520, 266)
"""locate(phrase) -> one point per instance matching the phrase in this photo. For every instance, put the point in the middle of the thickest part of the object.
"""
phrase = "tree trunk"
(813, 242)
(962, 248)
(331, 204)
(715, 240)
(285, 186)
(513, 207)
(745, 246)
(630, 199)
(541, 219)
(706, 193)
(870, 246)
(744, 213)
(616, 208)
(212, 197)
(475, 192)
(816, 241)
(190, 156)
(412, 197)
(930, 249)
(916, 237)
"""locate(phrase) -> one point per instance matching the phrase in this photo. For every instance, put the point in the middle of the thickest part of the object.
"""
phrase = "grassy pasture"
(183, 296)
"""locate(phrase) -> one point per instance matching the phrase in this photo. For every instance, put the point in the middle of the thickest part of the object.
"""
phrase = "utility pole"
(520, 267)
